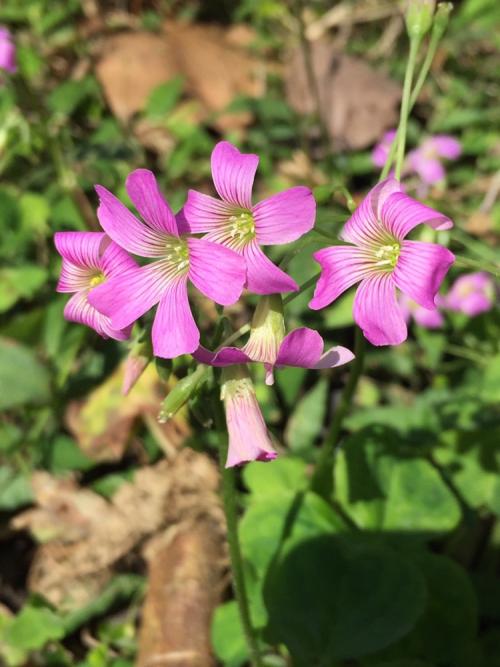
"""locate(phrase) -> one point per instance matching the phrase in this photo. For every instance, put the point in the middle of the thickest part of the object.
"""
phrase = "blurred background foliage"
(401, 568)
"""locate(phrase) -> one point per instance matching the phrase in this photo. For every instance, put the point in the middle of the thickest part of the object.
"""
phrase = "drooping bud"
(441, 18)
(248, 436)
(180, 394)
(267, 333)
(138, 358)
(419, 15)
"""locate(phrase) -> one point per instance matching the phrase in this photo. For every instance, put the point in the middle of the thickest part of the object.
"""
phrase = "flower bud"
(419, 15)
(138, 358)
(180, 394)
(441, 18)
(267, 332)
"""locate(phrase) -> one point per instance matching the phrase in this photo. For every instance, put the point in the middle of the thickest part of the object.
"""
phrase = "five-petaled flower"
(90, 259)
(235, 222)
(382, 259)
(471, 294)
(269, 345)
(248, 436)
(7, 51)
(215, 270)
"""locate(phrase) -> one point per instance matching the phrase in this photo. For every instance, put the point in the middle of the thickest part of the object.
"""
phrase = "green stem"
(322, 479)
(467, 263)
(405, 105)
(309, 282)
(229, 500)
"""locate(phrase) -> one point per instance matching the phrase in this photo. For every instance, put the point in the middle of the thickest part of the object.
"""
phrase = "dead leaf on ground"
(84, 535)
(102, 424)
(358, 102)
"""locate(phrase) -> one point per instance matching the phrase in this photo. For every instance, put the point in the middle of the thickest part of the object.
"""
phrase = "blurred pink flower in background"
(381, 151)
(424, 317)
(7, 51)
(426, 160)
(471, 294)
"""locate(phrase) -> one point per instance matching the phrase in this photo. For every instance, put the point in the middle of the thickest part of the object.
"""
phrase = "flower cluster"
(216, 245)
(7, 51)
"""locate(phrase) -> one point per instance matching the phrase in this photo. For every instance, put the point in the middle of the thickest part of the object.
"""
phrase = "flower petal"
(420, 270)
(78, 309)
(364, 226)
(341, 267)
(145, 194)
(227, 356)
(301, 347)
(446, 146)
(429, 169)
(124, 298)
(335, 356)
(203, 213)
(377, 312)
(284, 217)
(114, 260)
(233, 174)
(218, 272)
(174, 329)
(81, 253)
(125, 229)
(264, 277)
(400, 214)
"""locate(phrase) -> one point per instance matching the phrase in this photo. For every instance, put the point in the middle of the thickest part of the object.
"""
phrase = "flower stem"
(405, 105)
(322, 479)
(467, 263)
(229, 501)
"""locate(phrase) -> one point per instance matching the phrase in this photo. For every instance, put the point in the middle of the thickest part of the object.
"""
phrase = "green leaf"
(15, 489)
(306, 422)
(285, 475)
(228, 639)
(33, 627)
(68, 96)
(23, 380)
(164, 97)
(333, 598)
(20, 282)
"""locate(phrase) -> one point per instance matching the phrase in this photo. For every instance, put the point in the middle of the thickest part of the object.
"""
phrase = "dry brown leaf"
(357, 102)
(103, 422)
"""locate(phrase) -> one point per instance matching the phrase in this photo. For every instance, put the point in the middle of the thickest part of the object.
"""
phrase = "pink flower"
(381, 151)
(426, 160)
(429, 319)
(248, 436)
(381, 259)
(471, 294)
(268, 344)
(235, 222)
(90, 259)
(7, 51)
(216, 271)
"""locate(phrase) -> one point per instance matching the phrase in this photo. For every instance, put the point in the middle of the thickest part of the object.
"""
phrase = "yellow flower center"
(177, 253)
(387, 255)
(97, 279)
(241, 227)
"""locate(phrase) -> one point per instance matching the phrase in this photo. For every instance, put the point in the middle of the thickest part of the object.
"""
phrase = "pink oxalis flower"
(90, 259)
(471, 294)
(382, 259)
(269, 345)
(429, 319)
(235, 222)
(248, 436)
(381, 151)
(426, 160)
(178, 257)
(7, 51)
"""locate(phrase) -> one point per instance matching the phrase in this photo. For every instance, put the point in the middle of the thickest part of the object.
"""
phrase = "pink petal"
(364, 226)
(81, 253)
(218, 272)
(174, 329)
(115, 261)
(341, 267)
(233, 174)
(203, 213)
(428, 168)
(264, 277)
(446, 146)
(335, 356)
(125, 229)
(227, 356)
(145, 194)
(430, 319)
(302, 347)
(420, 270)
(78, 309)
(377, 312)
(124, 298)
(400, 214)
(284, 217)
(7, 51)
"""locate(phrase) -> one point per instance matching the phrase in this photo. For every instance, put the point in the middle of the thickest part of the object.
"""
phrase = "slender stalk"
(322, 479)
(229, 500)
(477, 265)
(405, 105)
(310, 281)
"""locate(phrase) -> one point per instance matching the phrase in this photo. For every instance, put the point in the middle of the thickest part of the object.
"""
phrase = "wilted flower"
(426, 161)
(90, 259)
(269, 345)
(382, 259)
(216, 271)
(248, 436)
(7, 51)
(429, 319)
(235, 222)
(381, 151)
(471, 294)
